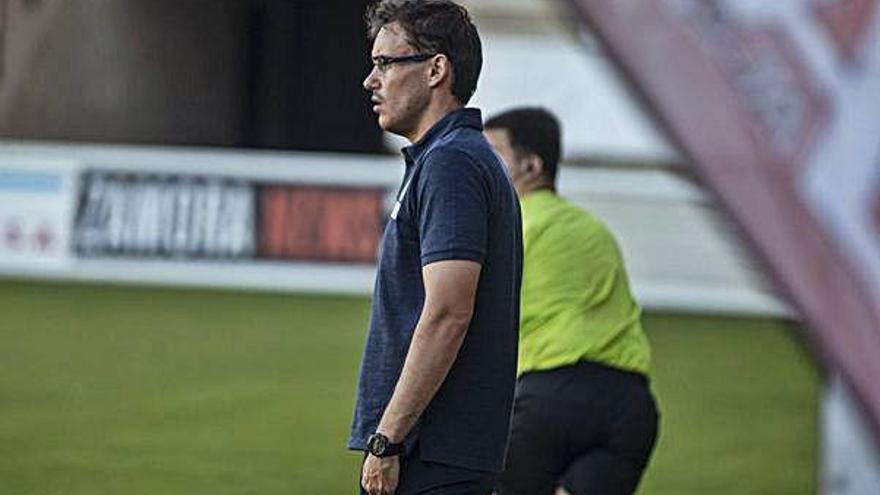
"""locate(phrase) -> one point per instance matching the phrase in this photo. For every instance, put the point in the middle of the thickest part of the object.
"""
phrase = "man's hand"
(380, 475)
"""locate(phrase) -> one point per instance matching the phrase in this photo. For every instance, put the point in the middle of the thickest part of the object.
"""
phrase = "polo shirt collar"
(463, 117)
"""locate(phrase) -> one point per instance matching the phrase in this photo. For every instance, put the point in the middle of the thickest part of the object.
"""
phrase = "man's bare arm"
(450, 290)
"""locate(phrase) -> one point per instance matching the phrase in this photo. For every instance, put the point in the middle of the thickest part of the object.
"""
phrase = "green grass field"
(105, 390)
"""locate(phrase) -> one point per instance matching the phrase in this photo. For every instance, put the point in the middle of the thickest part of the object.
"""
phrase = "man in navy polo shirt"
(438, 372)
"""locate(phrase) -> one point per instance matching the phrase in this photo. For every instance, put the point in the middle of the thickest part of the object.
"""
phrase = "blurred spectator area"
(244, 73)
(287, 75)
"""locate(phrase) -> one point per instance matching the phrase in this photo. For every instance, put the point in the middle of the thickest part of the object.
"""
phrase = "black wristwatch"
(380, 446)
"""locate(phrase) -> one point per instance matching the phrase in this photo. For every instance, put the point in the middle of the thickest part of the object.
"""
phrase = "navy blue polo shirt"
(456, 202)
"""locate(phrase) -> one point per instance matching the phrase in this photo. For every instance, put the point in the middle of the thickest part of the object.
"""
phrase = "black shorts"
(587, 427)
(418, 477)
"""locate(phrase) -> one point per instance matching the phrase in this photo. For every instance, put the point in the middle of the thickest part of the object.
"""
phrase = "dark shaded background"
(241, 73)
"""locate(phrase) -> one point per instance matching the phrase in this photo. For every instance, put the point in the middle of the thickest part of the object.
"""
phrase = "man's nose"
(370, 81)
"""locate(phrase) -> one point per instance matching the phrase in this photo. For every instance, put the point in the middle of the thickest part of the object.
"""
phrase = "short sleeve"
(453, 207)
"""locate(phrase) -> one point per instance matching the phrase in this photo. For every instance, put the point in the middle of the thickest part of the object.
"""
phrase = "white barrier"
(36, 211)
(314, 221)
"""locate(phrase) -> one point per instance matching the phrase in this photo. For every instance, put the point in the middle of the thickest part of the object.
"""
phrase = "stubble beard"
(408, 118)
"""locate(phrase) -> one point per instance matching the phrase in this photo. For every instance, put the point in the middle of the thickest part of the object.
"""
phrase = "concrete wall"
(135, 71)
(252, 73)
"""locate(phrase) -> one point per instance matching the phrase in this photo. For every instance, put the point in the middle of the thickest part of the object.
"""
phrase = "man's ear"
(439, 70)
(535, 165)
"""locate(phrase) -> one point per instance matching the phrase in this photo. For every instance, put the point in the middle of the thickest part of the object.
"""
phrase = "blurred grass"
(107, 390)
(739, 406)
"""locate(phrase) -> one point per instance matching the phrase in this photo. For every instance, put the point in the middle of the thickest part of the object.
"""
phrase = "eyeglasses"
(383, 62)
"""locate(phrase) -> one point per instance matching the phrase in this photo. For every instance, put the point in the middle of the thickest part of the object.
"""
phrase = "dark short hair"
(531, 130)
(436, 26)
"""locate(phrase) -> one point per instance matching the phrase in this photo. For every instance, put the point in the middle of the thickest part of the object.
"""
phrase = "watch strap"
(380, 446)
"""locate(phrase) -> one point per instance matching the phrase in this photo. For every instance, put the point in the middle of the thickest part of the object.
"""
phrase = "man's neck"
(435, 111)
(543, 186)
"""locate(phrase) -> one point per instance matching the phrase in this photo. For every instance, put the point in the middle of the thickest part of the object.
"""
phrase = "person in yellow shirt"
(585, 420)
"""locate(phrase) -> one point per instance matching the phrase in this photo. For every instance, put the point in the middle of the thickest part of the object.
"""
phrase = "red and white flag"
(777, 105)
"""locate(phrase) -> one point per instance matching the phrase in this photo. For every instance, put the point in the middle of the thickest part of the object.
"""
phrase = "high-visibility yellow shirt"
(576, 303)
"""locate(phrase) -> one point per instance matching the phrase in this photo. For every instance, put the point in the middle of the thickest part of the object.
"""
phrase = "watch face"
(376, 445)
